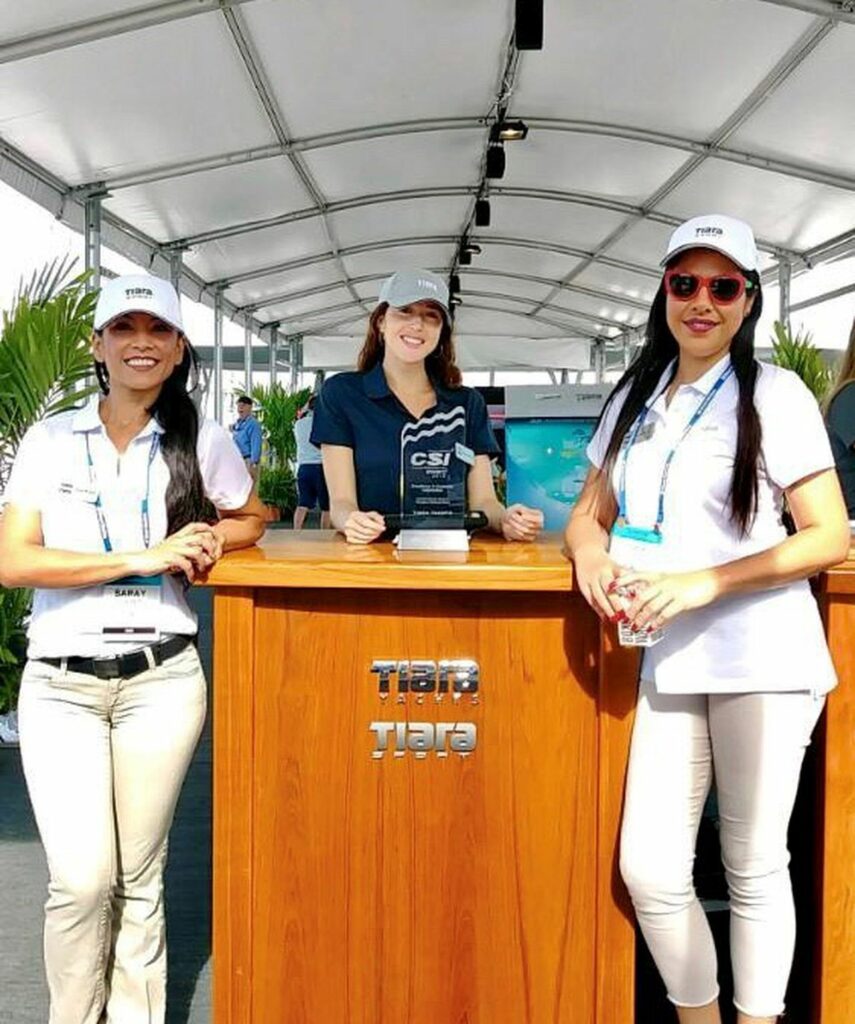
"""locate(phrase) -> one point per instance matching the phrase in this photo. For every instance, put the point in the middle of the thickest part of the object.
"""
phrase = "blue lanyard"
(99, 505)
(639, 423)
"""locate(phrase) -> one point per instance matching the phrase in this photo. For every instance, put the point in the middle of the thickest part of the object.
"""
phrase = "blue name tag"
(645, 535)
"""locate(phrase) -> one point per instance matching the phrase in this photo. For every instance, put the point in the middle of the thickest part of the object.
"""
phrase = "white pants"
(104, 762)
(756, 743)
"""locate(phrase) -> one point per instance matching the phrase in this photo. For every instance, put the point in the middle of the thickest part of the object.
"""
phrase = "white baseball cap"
(407, 286)
(727, 235)
(138, 293)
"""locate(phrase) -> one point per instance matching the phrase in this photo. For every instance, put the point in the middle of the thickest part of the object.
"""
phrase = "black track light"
(455, 300)
(454, 284)
(473, 248)
(464, 257)
(495, 160)
(528, 25)
(508, 131)
(482, 213)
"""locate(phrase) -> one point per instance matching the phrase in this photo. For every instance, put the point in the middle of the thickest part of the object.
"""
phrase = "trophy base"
(433, 540)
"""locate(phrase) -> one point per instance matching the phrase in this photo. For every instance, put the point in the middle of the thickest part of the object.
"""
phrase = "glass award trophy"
(435, 462)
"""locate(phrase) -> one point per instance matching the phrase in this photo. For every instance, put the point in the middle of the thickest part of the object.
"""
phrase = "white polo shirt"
(765, 641)
(51, 475)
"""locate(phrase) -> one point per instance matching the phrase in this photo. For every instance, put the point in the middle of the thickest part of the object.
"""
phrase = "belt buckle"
(107, 668)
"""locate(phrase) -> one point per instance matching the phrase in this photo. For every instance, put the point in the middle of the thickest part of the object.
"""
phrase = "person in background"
(678, 533)
(311, 485)
(110, 509)
(247, 434)
(406, 370)
(840, 421)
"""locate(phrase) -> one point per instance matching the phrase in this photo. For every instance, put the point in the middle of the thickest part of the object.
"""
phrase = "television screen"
(546, 464)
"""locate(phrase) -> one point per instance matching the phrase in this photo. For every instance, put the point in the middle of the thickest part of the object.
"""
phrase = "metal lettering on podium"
(455, 681)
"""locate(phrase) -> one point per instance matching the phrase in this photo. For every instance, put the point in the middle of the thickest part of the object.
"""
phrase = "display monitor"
(546, 464)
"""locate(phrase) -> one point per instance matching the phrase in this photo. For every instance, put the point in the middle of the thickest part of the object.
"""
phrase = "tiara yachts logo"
(709, 232)
(139, 293)
(431, 286)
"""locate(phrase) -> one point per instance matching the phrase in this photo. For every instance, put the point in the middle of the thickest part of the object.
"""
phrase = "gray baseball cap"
(406, 286)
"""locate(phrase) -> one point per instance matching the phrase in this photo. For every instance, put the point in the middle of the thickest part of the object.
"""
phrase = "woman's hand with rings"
(363, 527)
(661, 597)
(596, 575)
(521, 523)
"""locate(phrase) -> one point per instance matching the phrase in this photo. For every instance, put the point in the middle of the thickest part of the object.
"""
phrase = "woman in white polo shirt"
(109, 509)
(679, 529)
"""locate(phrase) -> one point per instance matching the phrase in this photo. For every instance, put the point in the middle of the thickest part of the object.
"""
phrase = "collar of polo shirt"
(375, 384)
(703, 385)
(87, 418)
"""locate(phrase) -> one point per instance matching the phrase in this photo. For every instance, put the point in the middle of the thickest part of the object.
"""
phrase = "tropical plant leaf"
(45, 360)
(45, 365)
(799, 354)
(277, 413)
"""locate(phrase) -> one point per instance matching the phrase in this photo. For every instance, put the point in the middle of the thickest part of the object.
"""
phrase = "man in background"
(247, 434)
(311, 485)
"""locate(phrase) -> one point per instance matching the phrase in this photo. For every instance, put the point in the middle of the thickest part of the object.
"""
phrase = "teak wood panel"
(234, 616)
(413, 891)
(837, 936)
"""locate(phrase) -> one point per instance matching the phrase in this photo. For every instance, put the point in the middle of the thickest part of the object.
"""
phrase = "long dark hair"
(659, 350)
(845, 372)
(176, 412)
(439, 365)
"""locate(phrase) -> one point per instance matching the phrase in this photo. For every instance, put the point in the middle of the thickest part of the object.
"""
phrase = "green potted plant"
(45, 363)
(277, 413)
(799, 354)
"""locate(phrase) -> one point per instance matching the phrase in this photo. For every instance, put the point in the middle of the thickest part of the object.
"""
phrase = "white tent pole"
(599, 360)
(247, 355)
(92, 240)
(274, 330)
(296, 360)
(218, 356)
(785, 271)
(176, 267)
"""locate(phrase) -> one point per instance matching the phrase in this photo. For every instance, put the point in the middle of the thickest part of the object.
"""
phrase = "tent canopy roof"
(295, 152)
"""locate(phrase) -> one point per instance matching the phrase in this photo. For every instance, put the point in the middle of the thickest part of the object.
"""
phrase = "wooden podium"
(423, 883)
(371, 868)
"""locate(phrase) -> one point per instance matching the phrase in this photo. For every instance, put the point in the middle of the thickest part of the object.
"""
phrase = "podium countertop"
(323, 559)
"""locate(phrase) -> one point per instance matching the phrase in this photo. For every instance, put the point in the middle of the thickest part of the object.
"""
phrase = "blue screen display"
(546, 464)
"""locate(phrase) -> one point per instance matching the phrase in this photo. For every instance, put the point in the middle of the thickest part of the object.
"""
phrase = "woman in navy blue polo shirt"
(405, 370)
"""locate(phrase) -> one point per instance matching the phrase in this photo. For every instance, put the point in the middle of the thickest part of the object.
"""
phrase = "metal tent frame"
(276, 158)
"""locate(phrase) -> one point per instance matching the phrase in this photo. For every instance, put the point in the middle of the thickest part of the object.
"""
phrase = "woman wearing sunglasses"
(678, 534)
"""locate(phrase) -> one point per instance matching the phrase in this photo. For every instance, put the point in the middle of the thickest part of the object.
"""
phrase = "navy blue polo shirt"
(841, 432)
(359, 411)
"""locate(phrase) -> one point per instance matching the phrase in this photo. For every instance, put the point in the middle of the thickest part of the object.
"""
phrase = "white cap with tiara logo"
(138, 293)
(727, 235)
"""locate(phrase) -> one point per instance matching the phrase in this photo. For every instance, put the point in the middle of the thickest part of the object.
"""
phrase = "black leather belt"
(125, 666)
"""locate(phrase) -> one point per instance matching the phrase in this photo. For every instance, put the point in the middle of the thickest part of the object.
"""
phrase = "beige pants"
(104, 762)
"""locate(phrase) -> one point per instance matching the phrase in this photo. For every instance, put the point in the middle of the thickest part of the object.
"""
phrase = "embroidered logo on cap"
(139, 293)
(424, 283)
(704, 232)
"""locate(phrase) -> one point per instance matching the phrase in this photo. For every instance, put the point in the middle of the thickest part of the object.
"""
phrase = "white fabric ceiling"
(297, 151)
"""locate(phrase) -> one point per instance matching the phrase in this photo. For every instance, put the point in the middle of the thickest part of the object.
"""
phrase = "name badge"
(130, 609)
(464, 454)
(636, 547)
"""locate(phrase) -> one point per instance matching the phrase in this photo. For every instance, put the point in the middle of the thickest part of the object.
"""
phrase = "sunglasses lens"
(682, 286)
(725, 289)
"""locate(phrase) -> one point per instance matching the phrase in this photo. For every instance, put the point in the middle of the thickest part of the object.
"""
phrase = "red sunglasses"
(723, 288)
